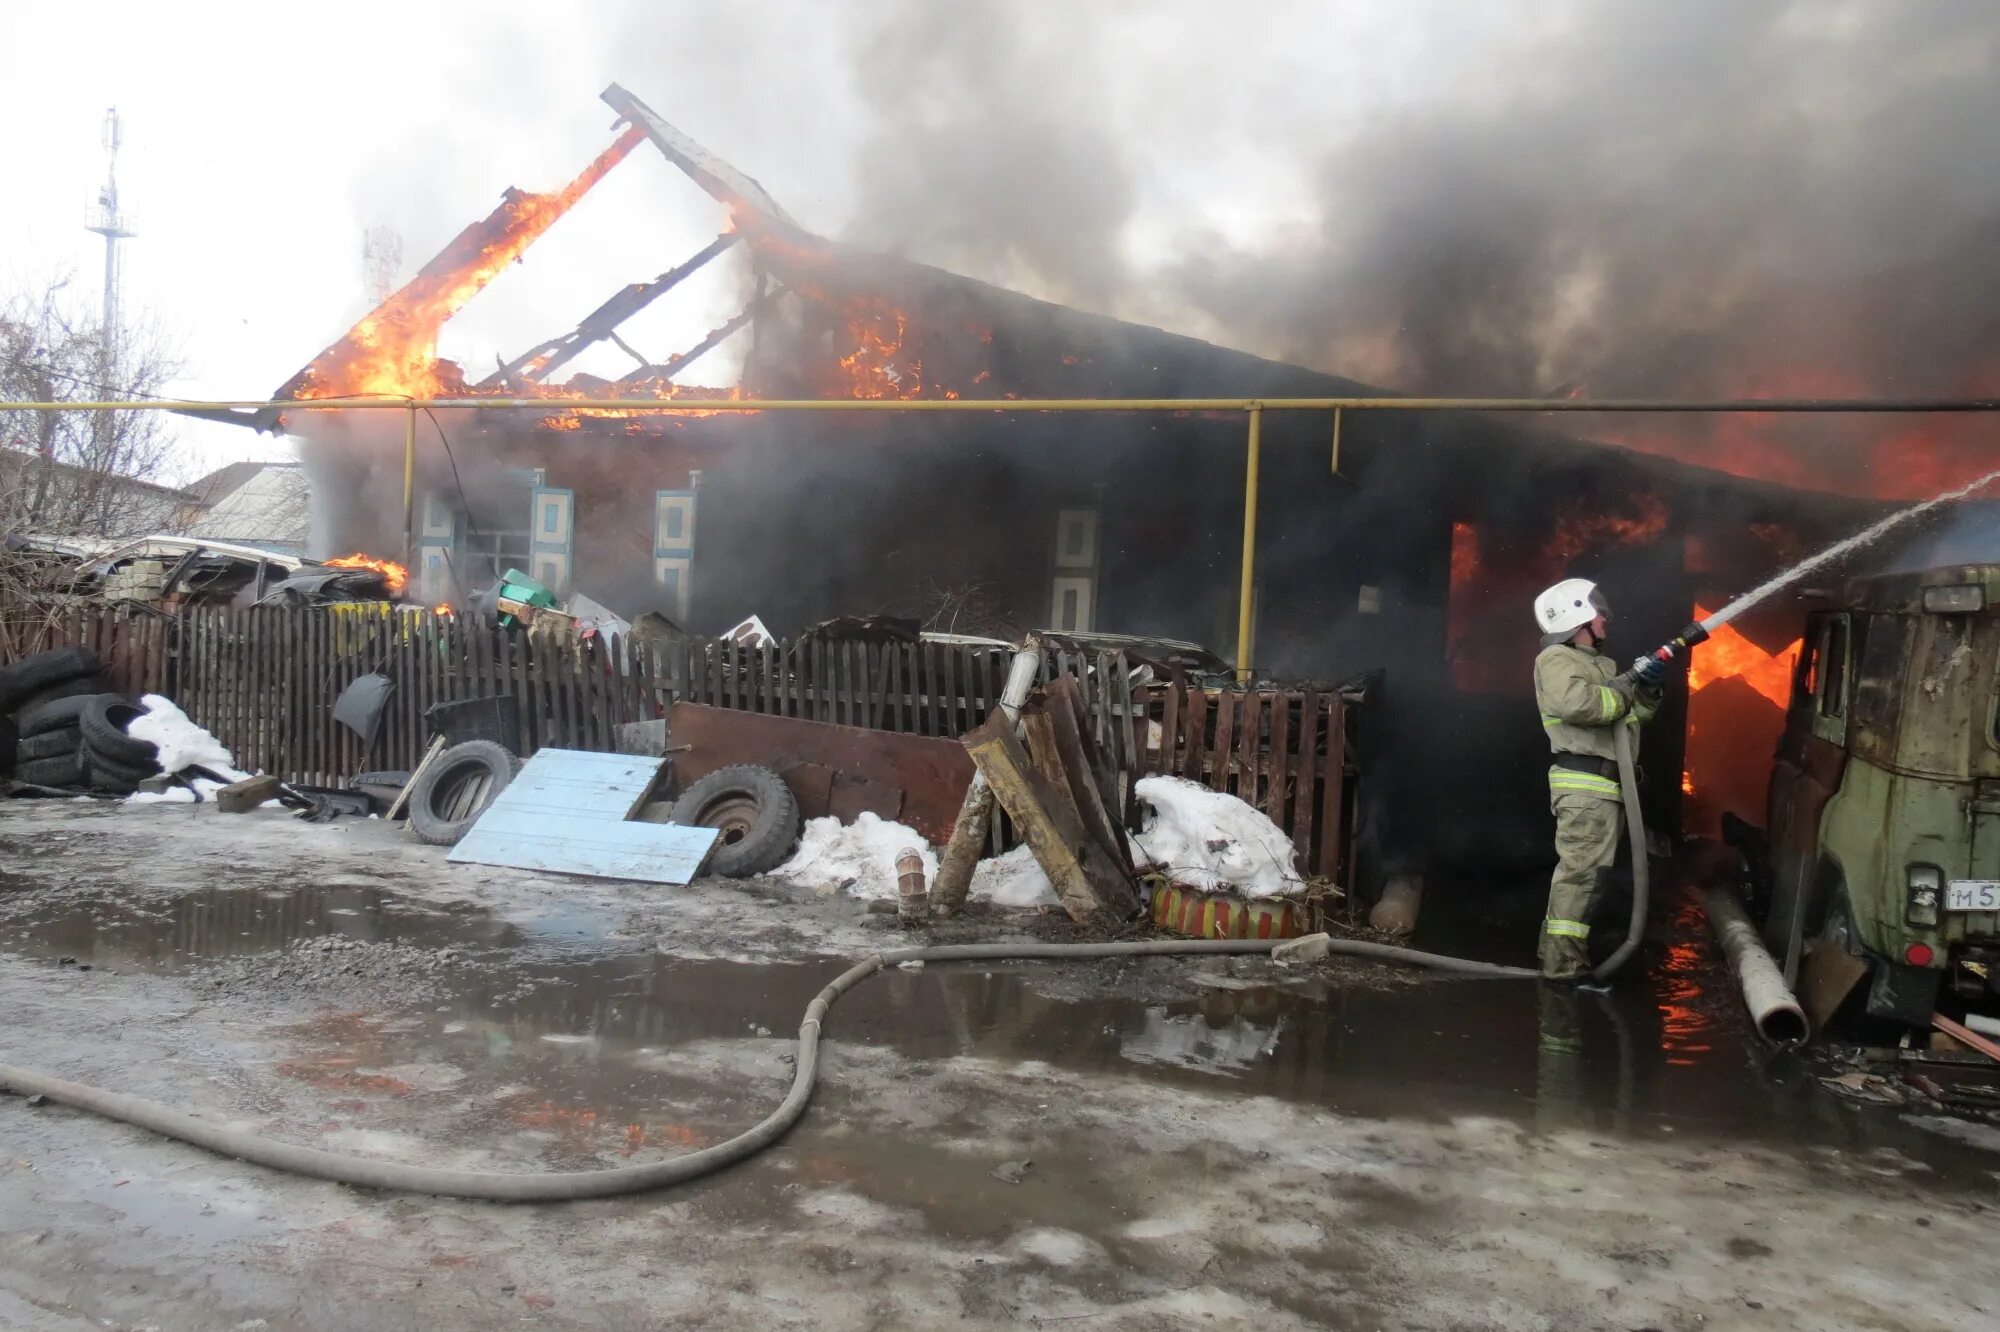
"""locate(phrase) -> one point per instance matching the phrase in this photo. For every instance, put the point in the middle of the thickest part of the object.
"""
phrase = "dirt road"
(1215, 1144)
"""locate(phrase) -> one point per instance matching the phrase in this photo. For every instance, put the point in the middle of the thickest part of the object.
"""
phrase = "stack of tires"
(70, 728)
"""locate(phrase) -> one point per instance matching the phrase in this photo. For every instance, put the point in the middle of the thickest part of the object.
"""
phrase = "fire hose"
(505, 1186)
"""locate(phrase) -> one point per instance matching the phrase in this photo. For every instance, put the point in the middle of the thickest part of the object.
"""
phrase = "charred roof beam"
(601, 324)
(722, 180)
(674, 365)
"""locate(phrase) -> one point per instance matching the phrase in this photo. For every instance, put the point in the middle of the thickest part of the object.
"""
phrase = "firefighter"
(1581, 697)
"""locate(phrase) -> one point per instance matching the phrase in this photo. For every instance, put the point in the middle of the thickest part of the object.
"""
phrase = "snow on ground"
(859, 857)
(181, 743)
(1014, 879)
(1213, 841)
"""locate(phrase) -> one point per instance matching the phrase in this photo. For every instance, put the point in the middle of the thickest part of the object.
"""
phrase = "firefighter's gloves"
(1649, 671)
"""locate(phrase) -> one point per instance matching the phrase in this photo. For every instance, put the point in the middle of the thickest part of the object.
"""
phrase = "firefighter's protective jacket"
(1580, 703)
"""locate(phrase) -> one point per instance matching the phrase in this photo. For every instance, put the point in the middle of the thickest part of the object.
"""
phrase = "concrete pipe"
(1396, 912)
(1775, 1013)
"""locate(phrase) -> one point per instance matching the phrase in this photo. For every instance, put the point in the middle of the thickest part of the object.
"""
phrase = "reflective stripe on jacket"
(1580, 705)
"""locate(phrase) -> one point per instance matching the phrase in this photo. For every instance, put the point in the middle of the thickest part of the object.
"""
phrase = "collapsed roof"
(830, 320)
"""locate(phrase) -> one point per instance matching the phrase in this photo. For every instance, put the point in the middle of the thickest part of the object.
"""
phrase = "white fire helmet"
(1569, 605)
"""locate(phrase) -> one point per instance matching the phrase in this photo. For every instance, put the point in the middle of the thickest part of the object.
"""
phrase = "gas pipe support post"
(1253, 454)
(410, 486)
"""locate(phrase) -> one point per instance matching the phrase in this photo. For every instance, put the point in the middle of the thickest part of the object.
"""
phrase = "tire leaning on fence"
(449, 796)
(756, 812)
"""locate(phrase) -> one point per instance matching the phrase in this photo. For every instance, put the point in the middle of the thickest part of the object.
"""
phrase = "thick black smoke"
(1699, 198)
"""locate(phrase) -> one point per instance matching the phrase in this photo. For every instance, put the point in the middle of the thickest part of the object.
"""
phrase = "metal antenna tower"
(108, 222)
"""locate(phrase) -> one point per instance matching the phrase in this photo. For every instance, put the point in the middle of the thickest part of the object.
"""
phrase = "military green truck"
(1884, 833)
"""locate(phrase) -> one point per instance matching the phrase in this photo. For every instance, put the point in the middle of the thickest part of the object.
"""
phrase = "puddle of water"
(593, 1032)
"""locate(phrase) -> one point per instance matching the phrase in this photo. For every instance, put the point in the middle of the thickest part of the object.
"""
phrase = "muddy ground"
(1214, 1144)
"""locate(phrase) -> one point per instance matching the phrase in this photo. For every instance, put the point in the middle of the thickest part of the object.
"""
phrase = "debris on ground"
(1869, 1087)
(565, 810)
(1011, 1172)
(1213, 841)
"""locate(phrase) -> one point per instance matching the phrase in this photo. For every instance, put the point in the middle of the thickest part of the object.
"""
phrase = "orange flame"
(394, 574)
(1728, 653)
(393, 350)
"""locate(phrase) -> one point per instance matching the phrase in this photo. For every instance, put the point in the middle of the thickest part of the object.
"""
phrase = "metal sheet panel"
(841, 770)
(567, 812)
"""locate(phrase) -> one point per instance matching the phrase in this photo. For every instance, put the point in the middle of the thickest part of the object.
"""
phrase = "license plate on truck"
(1972, 895)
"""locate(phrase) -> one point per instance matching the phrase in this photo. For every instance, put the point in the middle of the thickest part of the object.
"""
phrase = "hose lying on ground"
(496, 1186)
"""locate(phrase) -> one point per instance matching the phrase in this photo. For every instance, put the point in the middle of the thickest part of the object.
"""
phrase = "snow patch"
(1210, 840)
(859, 857)
(1058, 1248)
(1014, 879)
(181, 743)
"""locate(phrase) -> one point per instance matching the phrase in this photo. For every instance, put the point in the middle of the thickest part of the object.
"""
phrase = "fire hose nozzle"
(1652, 668)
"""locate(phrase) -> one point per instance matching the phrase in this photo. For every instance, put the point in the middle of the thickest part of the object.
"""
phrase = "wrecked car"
(1884, 831)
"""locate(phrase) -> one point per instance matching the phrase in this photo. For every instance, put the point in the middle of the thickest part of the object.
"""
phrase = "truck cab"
(1884, 831)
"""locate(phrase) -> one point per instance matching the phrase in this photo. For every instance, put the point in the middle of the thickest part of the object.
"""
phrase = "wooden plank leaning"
(968, 832)
(1092, 887)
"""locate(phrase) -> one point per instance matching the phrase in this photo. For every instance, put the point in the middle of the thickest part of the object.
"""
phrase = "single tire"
(64, 771)
(132, 773)
(755, 811)
(451, 795)
(31, 675)
(77, 688)
(49, 744)
(103, 722)
(62, 712)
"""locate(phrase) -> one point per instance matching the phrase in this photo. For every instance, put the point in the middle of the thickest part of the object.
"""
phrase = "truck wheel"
(755, 811)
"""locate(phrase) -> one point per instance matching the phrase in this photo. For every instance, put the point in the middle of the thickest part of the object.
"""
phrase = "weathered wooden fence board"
(265, 680)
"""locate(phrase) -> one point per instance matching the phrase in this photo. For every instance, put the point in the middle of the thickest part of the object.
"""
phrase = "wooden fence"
(264, 680)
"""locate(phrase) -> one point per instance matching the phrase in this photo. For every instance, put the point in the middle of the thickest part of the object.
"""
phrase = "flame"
(393, 350)
(1728, 654)
(1487, 636)
(443, 608)
(1601, 531)
(1909, 457)
(393, 573)
(1731, 734)
(876, 368)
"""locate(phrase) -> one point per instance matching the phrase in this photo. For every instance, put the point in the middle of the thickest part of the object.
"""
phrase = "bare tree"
(81, 474)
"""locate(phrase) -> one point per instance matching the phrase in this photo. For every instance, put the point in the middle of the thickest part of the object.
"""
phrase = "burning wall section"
(1418, 559)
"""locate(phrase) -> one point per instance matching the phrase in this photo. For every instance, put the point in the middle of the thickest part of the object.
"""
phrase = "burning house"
(1404, 544)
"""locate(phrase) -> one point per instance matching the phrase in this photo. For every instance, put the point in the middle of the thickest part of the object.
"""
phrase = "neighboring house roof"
(264, 504)
(222, 480)
(87, 497)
